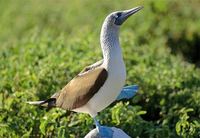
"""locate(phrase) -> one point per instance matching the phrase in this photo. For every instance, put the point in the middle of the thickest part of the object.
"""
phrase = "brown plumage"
(80, 89)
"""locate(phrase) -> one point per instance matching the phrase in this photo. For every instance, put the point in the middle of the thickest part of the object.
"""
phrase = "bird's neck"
(110, 45)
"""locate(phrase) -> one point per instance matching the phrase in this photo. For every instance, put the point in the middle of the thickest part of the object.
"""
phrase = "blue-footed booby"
(99, 84)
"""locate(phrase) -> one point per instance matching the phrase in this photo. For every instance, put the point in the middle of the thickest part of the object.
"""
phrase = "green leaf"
(43, 126)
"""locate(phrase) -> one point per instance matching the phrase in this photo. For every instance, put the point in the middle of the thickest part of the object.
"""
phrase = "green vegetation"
(44, 44)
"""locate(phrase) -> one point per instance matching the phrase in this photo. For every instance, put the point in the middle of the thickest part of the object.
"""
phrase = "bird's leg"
(104, 131)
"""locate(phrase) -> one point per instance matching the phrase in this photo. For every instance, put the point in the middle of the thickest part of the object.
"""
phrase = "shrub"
(45, 44)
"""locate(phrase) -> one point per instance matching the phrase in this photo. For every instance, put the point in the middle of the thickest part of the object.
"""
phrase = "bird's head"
(119, 17)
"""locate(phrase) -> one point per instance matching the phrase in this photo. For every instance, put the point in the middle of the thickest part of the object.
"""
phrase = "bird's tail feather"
(51, 102)
(35, 102)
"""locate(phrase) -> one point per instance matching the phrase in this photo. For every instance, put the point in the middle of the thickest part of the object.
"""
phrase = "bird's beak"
(126, 14)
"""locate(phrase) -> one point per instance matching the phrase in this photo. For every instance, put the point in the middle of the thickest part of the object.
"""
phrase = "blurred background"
(44, 44)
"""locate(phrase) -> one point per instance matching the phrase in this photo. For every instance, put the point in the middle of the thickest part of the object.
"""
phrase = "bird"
(100, 84)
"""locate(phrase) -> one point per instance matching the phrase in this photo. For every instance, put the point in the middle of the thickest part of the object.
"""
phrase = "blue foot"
(127, 92)
(104, 131)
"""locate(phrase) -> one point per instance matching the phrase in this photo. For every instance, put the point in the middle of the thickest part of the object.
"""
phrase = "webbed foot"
(104, 131)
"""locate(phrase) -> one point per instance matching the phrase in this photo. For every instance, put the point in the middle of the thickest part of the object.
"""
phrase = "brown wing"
(80, 89)
(91, 67)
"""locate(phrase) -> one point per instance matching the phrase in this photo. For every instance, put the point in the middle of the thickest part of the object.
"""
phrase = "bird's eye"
(119, 14)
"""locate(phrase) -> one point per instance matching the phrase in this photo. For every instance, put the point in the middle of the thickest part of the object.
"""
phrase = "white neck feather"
(110, 45)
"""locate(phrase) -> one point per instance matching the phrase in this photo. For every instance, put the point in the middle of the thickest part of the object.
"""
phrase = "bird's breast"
(116, 69)
(117, 74)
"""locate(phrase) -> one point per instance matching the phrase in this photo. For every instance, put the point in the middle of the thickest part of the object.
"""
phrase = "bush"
(45, 44)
